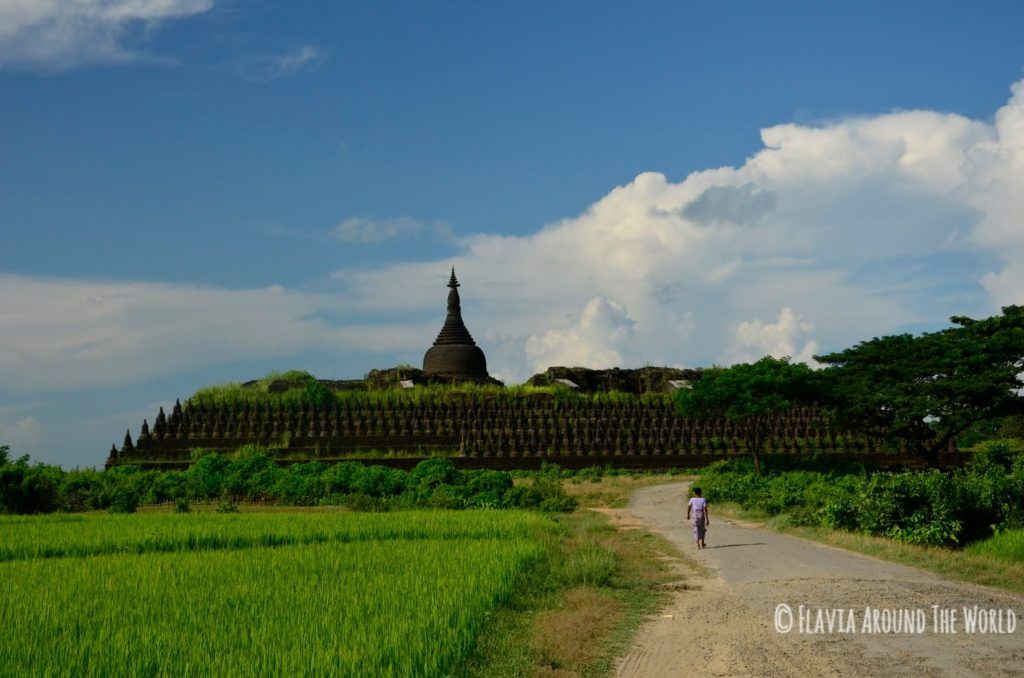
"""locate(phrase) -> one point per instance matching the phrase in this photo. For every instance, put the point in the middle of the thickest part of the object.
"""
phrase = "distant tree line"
(255, 477)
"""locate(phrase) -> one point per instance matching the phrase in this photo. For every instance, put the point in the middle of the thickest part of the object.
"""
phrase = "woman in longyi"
(697, 513)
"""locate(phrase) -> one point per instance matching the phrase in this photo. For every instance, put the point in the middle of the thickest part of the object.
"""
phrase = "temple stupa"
(454, 354)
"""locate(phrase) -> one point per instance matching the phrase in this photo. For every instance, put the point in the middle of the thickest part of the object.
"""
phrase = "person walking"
(697, 513)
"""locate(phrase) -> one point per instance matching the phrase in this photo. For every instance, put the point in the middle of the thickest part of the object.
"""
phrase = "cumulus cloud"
(866, 225)
(592, 341)
(730, 204)
(755, 339)
(60, 34)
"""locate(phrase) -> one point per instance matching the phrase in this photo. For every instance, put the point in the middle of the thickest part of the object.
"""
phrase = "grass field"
(91, 534)
(1008, 546)
(312, 593)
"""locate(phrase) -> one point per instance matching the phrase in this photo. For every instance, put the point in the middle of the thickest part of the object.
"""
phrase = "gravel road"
(722, 622)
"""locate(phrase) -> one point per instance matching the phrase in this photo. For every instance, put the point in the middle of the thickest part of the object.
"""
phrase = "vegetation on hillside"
(308, 391)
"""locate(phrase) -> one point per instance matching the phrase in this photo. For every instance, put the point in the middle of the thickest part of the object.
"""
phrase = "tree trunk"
(928, 453)
(756, 451)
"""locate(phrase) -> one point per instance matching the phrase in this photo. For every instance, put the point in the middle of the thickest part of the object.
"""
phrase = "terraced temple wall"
(567, 433)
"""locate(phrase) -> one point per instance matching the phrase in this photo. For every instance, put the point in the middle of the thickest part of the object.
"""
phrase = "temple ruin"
(574, 417)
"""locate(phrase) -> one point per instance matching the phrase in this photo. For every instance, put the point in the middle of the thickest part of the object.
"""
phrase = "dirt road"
(723, 622)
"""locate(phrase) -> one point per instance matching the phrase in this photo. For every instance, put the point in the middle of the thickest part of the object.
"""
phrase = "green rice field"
(286, 593)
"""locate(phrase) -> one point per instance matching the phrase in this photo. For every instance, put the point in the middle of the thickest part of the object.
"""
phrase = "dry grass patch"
(578, 609)
(570, 637)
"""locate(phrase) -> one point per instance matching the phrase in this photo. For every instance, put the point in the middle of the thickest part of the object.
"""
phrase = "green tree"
(925, 390)
(28, 488)
(751, 393)
(206, 476)
(124, 499)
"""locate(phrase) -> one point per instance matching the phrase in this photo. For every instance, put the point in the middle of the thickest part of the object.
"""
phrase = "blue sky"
(194, 191)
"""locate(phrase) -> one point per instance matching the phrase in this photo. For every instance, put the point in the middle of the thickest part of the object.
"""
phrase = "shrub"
(81, 490)
(487, 489)
(379, 481)
(544, 493)
(433, 473)
(920, 507)
(840, 512)
(914, 507)
(206, 476)
(806, 516)
(300, 484)
(339, 479)
(124, 499)
(227, 505)
(444, 497)
(181, 505)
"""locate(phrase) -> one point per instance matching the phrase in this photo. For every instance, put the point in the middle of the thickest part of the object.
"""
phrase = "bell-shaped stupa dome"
(454, 354)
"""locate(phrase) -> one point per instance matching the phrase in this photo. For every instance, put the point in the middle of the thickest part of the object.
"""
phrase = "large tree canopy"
(749, 393)
(925, 390)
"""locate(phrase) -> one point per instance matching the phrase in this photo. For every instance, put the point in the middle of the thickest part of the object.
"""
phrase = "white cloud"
(60, 34)
(368, 230)
(1007, 286)
(593, 340)
(60, 334)
(301, 58)
(755, 339)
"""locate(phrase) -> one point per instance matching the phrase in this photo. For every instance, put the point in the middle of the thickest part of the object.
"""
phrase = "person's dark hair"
(696, 491)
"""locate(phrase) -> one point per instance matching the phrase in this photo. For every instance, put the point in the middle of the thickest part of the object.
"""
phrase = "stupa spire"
(454, 330)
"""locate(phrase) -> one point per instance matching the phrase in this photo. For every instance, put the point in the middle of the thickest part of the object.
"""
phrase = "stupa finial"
(453, 282)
